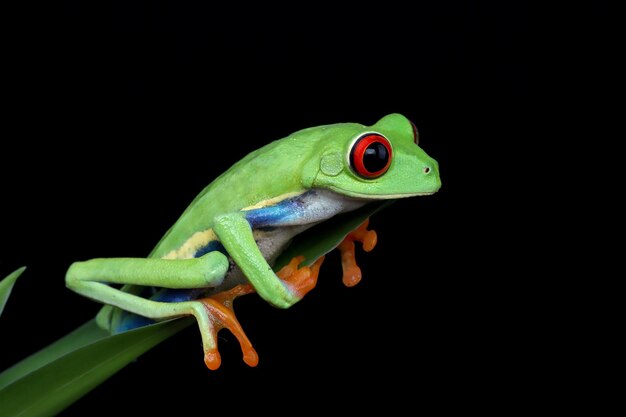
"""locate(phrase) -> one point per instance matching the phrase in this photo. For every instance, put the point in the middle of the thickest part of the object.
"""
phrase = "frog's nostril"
(426, 170)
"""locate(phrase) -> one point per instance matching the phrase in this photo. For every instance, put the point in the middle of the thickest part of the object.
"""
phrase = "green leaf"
(51, 388)
(84, 335)
(6, 285)
(56, 376)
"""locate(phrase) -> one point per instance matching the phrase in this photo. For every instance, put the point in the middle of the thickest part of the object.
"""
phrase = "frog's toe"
(351, 272)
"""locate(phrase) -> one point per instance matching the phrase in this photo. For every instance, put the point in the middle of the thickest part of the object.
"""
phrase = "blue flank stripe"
(210, 247)
(283, 212)
(131, 321)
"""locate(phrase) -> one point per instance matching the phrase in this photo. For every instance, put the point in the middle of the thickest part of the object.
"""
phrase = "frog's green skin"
(244, 219)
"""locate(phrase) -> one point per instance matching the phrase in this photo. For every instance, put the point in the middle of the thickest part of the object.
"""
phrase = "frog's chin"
(373, 196)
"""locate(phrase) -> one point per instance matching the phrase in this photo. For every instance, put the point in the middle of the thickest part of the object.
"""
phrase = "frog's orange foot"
(368, 238)
(300, 280)
(220, 309)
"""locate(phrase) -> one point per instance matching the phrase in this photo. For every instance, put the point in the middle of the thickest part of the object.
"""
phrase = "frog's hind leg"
(91, 279)
(109, 317)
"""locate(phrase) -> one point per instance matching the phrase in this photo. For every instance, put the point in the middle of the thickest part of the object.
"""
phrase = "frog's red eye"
(370, 155)
(416, 135)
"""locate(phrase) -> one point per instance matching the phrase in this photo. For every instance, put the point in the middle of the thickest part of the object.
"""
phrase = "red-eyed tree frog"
(226, 241)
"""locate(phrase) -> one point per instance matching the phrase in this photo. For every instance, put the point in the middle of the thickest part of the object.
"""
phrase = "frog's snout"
(430, 173)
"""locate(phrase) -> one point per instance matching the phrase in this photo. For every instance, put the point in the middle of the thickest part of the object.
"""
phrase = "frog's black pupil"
(375, 157)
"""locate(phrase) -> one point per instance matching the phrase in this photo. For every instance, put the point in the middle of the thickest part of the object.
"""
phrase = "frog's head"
(375, 162)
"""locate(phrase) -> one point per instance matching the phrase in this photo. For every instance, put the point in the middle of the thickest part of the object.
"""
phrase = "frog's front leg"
(235, 233)
(90, 279)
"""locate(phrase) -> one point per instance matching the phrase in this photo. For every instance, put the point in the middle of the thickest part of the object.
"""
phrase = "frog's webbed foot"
(351, 271)
(300, 280)
(220, 311)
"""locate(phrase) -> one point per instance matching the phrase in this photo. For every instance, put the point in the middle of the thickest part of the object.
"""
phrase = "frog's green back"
(271, 171)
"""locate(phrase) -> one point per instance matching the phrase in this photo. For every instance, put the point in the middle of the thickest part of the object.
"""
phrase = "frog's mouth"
(375, 196)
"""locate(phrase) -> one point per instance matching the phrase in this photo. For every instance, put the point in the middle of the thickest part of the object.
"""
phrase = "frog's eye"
(370, 155)
(416, 135)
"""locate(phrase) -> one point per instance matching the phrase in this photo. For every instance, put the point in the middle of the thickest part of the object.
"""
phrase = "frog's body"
(274, 223)
(237, 226)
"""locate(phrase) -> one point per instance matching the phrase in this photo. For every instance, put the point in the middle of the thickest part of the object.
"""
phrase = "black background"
(118, 116)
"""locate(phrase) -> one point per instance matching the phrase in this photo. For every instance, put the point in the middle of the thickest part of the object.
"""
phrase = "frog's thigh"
(206, 271)
(90, 279)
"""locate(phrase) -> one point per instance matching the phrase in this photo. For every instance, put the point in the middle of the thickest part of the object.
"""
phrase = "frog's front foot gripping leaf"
(300, 279)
